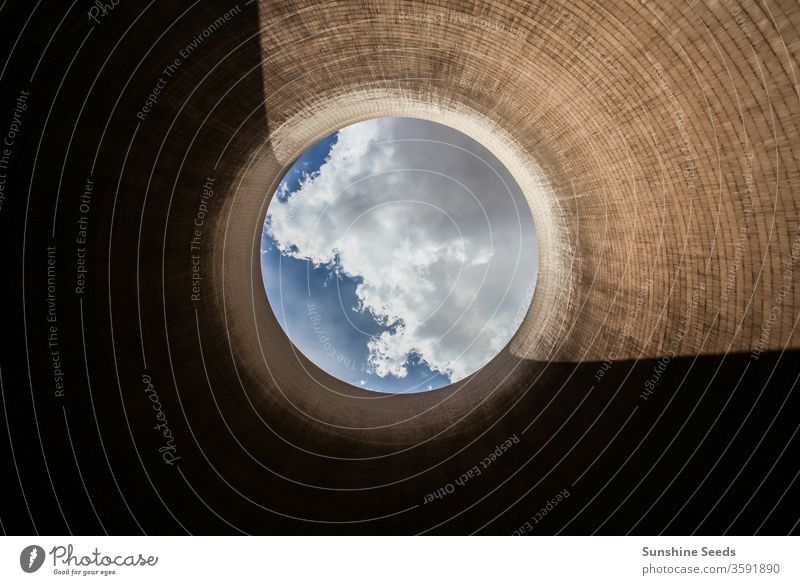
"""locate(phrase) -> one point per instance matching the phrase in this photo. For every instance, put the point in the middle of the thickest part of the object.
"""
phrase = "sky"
(399, 255)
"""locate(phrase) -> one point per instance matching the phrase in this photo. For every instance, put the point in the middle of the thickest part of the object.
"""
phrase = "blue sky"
(396, 254)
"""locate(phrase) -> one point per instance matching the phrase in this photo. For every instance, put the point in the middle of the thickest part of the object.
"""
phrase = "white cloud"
(443, 252)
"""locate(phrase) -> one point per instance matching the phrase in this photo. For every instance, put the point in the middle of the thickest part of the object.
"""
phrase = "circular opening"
(399, 255)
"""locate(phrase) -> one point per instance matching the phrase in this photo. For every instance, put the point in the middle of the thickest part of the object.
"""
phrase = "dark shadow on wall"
(134, 124)
(712, 449)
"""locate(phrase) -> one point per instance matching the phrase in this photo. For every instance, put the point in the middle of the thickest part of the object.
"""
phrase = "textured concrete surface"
(666, 138)
(654, 377)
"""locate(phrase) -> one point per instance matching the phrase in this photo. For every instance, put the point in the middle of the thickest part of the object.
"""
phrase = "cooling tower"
(147, 386)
